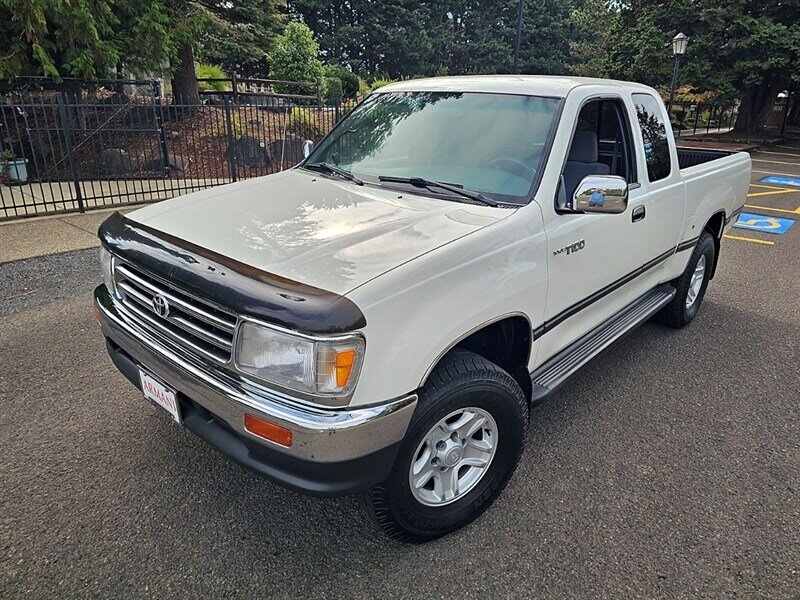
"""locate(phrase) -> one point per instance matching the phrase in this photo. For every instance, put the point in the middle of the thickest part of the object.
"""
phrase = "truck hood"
(316, 230)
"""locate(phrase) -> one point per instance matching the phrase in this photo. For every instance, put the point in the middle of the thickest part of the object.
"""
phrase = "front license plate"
(159, 393)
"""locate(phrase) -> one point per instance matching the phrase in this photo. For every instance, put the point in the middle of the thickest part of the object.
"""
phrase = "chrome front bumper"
(319, 435)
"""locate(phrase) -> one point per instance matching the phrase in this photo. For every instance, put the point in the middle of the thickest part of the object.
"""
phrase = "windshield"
(490, 143)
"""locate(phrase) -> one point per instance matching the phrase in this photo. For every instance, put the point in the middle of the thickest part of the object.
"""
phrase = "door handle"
(638, 214)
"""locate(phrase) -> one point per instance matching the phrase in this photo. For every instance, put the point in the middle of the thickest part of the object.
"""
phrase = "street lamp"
(519, 36)
(679, 43)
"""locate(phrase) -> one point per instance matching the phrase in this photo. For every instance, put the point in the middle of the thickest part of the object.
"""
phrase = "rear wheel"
(691, 285)
(460, 450)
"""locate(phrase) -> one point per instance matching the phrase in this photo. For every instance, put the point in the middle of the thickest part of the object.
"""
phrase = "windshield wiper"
(427, 183)
(326, 168)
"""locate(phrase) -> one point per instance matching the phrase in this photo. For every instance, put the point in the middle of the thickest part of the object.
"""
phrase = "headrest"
(584, 147)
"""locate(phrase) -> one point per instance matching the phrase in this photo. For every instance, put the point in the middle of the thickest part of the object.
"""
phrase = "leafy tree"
(371, 36)
(57, 38)
(755, 49)
(235, 34)
(238, 35)
(480, 37)
(591, 39)
(431, 37)
(739, 48)
(546, 33)
(399, 38)
(91, 39)
(146, 36)
(101, 38)
(639, 34)
(295, 57)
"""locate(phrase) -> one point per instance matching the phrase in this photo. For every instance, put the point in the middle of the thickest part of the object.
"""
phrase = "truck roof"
(539, 85)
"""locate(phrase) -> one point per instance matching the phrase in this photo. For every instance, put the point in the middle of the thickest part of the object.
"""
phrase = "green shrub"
(303, 123)
(350, 81)
(363, 87)
(332, 90)
(376, 83)
(203, 71)
(295, 57)
(238, 129)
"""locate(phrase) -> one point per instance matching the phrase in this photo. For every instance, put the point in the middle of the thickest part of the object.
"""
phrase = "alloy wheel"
(453, 456)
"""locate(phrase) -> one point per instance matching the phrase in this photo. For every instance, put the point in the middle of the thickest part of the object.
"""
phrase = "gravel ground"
(34, 281)
(668, 467)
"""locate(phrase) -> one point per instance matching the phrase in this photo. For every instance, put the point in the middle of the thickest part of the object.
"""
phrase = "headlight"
(107, 267)
(323, 367)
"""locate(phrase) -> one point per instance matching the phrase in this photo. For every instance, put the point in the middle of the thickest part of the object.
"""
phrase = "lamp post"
(679, 43)
(519, 36)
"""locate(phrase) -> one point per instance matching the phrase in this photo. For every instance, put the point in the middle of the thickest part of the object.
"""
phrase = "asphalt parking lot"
(668, 467)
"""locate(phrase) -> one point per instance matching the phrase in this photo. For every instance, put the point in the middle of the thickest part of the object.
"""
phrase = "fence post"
(697, 110)
(162, 134)
(235, 85)
(229, 137)
(67, 126)
(319, 91)
(789, 95)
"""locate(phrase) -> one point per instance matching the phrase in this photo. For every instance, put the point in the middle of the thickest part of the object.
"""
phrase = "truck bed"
(690, 157)
(715, 180)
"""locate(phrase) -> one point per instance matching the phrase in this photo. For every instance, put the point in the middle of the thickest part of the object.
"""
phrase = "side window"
(601, 145)
(654, 134)
(589, 116)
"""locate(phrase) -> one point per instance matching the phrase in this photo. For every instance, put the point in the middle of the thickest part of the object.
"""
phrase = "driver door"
(592, 257)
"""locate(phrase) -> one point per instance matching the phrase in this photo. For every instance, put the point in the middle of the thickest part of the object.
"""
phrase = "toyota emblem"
(160, 306)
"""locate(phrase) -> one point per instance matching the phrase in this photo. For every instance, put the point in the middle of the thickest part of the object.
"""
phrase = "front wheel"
(460, 450)
(691, 285)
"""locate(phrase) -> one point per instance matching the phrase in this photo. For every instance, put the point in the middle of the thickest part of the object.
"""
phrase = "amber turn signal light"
(268, 431)
(344, 364)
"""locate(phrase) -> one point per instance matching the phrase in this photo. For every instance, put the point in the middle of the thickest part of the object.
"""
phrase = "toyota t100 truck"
(380, 318)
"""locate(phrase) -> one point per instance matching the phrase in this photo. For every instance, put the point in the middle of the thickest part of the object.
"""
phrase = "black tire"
(461, 380)
(676, 314)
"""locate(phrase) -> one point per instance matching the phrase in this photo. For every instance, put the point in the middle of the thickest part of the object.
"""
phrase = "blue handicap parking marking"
(763, 223)
(791, 181)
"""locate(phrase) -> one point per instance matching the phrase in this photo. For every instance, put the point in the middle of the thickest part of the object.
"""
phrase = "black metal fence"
(124, 142)
(698, 118)
(261, 92)
(689, 118)
(778, 116)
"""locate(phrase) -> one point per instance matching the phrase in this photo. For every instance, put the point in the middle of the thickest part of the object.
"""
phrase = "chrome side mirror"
(308, 146)
(601, 194)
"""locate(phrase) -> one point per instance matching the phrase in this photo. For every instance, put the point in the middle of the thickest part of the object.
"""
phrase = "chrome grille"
(199, 327)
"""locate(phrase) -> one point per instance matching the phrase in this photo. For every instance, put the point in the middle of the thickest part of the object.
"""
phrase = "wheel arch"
(715, 226)
(506, 341)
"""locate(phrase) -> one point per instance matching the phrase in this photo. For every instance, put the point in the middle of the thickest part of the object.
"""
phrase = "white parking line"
(780, 153)
(776, 162)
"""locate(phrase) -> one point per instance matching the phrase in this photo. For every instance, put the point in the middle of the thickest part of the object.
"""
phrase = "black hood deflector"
(244, 289)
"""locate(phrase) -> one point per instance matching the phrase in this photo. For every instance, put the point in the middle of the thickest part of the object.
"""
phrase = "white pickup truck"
(382, 316)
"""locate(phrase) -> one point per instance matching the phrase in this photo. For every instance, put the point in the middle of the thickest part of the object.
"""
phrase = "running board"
(558, 369)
